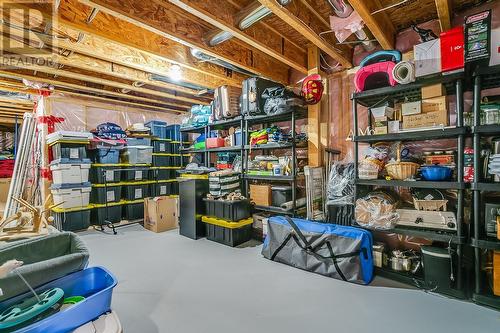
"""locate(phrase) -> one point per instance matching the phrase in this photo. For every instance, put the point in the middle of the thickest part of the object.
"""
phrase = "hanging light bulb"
(175, 72)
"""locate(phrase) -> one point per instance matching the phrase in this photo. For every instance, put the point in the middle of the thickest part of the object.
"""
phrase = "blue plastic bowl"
(95, 284)
(436, 173)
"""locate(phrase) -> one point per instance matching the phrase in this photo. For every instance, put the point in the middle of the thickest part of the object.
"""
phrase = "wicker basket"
(401, 170)
(433, 205)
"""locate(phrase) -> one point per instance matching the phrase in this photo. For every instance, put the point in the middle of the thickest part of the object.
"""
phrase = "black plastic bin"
(162, 146)
(136, 173)
(228, 233)
(185, 159)
(102, 194)
(104, 174)
(175, 160)
(133, 211)
(162, 160)
(175, 147)
(162, 174)
(73, 151)
(103, 214)
(135, 192)
(70, 219)
(228, 210)
(280, 195)
(175, 187)
(161, 188)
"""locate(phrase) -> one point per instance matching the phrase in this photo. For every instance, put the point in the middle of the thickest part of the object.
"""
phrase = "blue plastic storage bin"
(158, 128)
(95, 284)
(237, 137)
(107, 155)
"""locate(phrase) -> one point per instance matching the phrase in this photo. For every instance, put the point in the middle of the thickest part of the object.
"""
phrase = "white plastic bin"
(71, 195)
(137, 155)
(65, 171)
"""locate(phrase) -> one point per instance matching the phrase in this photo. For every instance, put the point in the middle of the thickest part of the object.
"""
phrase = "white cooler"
(73, 195)
(66, 171)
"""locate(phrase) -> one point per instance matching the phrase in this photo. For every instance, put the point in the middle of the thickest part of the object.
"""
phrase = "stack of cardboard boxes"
(382, 116)
(431, 111)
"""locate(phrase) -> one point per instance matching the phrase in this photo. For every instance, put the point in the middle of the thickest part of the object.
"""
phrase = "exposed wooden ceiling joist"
(340, 53)
(15, 106)
(114, 40)
(226, 18)
(444, 14)
(379, 24)
(81, 86)
(171, 22)
(93, 79)
(87, 63)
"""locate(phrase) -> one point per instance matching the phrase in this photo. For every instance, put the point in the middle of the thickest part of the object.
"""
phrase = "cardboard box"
(434, 104)
(435, 90)
(4, 188)
(496, 273)
(380, 130)
(410, 108)
(161, 214)
(427, 58)
(261, 194)
(430, 119)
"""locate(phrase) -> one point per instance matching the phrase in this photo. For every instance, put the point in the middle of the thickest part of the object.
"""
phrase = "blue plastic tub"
(107, 155)
(174, 132)
(158, 128)
(95, 284)
(436, 173)
(237, 137)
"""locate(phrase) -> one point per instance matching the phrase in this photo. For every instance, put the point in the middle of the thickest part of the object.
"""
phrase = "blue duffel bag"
(336, 251)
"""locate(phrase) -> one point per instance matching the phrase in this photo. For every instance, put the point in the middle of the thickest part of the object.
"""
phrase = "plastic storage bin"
(135, 192)
(175, 147)
(138, 173)
(133, 211)
(71, 195)
(162, 188)
(102, 194)
(95, 284)
(215, 142)
(238, 137)
(162, 174)
(158, 128)
(174, 132)
(161, 146)
(67, 171)
(73, 151)
(107, 155)
(176, 160)
(138, 141)
(161, 160)
(104, 214)
(175, 187)
(228, 233)
(71, 219)
(137, 155)
(228, 210)
(281, 194)
(101, 174)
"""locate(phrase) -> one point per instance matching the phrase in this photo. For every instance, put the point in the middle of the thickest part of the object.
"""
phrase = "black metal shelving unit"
(454, 85)
(291, 116)
(245, 149)
(484, 78)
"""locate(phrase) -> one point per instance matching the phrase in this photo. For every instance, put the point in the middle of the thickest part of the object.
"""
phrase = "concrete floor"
(169, 283)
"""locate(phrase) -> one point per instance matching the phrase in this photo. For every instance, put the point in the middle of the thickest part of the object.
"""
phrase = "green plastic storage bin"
(162, 160)
(162, 146)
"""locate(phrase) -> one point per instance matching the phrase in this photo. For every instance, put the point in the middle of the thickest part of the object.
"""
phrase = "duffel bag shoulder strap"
(299, 233)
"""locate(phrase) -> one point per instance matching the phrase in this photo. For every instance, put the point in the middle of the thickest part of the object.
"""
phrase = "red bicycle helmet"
(312, 89)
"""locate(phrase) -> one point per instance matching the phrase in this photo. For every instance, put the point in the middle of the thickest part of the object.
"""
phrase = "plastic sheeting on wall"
(86, 114)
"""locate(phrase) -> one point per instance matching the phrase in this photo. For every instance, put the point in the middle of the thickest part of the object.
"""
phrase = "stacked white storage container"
(70, 180)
